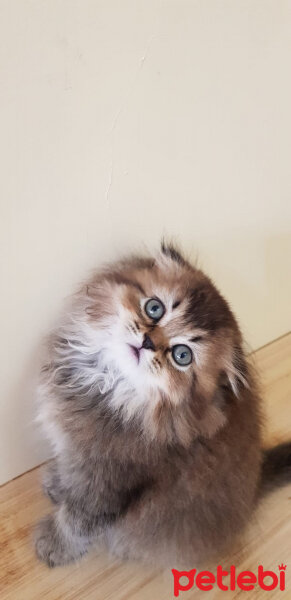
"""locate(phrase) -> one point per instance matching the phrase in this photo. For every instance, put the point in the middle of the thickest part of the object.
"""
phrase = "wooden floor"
(97, 577)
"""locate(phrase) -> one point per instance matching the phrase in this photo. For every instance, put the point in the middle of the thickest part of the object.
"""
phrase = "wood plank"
(267, 540)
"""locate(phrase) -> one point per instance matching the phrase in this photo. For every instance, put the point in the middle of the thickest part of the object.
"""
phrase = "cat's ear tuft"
(170, 251)
(237, 371)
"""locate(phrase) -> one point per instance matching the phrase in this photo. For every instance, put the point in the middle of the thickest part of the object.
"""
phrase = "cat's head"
(169, 332)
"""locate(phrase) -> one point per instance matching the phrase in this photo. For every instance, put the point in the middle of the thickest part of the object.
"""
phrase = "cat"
(154, 416)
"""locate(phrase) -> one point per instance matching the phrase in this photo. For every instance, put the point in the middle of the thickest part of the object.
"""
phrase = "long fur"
(159, 462)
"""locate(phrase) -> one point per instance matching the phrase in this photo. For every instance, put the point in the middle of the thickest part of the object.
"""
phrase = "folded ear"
(237, 371)
(170, 251)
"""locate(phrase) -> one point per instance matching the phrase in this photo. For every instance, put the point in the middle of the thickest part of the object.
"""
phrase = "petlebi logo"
(229, 580)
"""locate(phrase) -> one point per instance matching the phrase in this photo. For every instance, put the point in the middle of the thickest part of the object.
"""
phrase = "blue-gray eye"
(154, 309)
(182, 355)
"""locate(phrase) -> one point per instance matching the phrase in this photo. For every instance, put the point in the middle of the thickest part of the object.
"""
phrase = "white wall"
(124, 120)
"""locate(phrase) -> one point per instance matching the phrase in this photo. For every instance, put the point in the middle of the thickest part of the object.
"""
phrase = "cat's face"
(168, 329)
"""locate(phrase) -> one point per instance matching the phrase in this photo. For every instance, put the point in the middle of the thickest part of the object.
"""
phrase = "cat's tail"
(276, 468)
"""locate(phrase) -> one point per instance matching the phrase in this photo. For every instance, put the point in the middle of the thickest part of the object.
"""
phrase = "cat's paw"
(49, 546)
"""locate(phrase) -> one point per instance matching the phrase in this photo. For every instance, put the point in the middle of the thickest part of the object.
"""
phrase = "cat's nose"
(148, 344)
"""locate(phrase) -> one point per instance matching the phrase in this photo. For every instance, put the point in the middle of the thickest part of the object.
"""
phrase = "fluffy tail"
(276, 468)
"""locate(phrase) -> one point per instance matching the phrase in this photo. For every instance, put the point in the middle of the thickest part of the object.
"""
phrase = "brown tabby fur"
(158, 463)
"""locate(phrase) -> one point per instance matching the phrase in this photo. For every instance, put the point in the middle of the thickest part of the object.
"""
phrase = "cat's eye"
(182, 355)
(154, 309)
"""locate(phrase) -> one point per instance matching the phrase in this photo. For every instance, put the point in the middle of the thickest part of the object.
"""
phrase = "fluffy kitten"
(154, 416)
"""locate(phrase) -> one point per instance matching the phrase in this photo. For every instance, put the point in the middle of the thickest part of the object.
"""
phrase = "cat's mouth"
(135, 351)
